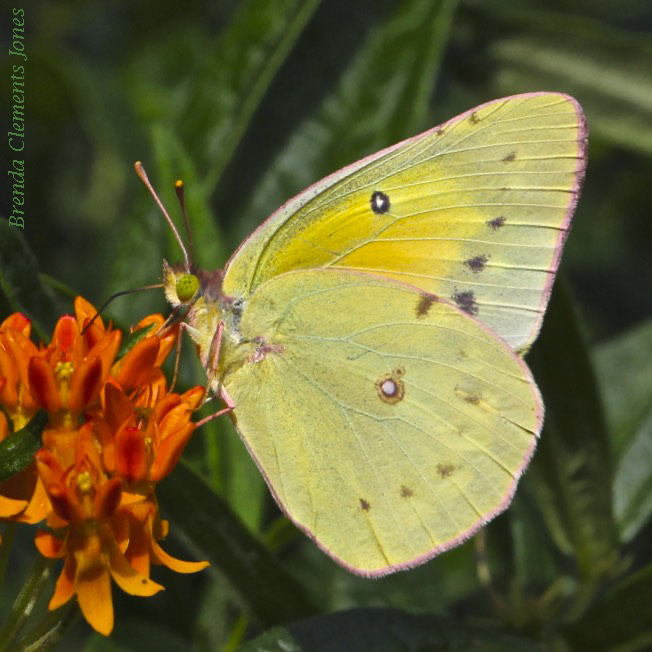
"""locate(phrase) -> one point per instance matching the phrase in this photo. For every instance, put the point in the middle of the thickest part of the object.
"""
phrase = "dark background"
(249, 102)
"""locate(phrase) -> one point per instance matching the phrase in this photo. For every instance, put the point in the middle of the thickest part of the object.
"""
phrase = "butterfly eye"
(187, 286)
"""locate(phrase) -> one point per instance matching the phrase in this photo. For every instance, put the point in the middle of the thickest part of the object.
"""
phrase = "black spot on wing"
(477, 263)
(496, 223)
(509, 157)
(473, 118)
(406, 492)
(471, 397)
(424, 304)
(445, 470)
(365, 505)
(466, 301)
(379, 202)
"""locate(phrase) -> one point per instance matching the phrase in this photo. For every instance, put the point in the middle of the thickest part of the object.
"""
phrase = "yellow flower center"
(86, 495)
(63, 372)
(84, 482)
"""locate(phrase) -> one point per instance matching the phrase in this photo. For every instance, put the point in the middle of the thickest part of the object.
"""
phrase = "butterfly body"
(367, 333)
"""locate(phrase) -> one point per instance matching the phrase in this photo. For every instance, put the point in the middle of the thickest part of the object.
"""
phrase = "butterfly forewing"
(475, 210)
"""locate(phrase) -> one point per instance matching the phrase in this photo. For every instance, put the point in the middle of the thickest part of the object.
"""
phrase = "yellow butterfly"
(366, 336)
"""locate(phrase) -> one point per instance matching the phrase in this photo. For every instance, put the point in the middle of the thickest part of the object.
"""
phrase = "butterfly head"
(181, 286)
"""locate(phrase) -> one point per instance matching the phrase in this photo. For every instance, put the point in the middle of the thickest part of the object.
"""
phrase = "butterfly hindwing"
(388, 424)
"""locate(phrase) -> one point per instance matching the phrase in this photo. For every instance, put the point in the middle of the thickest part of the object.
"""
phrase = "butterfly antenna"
(179, 189)
(115, 296)
(140, 171)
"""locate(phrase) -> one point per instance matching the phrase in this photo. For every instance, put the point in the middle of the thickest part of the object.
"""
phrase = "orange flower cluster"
(114, 431)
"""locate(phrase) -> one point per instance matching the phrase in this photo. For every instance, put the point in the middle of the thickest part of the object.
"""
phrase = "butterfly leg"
(212, 373)
(212, 362)
(177, 356)
(229, 406)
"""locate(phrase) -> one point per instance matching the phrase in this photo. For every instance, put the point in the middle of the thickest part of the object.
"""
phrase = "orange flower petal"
(137, 552)
(107, 498)
(18, 322)
(156, 318)
(38, 505)
(127, 578)
(4, 424)
(10, 507)
(93, 585)
(43, 385)
(106, 349)
(167, 338)
(117, 407)
(48, 467)
(86, 384)
(120, 528)
(176, 418)
(60, 441)
(193, 396)
(105, 440)
(9, 375)
(162, 557)
(136, 367)
(131, 454)
(64, 501)
(166, 405)
(168, 341)
(65, 337)
(48, 545)
(21, 349)
(169, 452)
(85, 448)
(84, 313)
(161, 529)
(65, 586)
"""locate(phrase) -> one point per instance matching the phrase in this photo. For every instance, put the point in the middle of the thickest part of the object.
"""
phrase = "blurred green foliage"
(249, 102)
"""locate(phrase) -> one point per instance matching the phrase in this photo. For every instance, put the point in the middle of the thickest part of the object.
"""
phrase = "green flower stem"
(25, 602)
(5, 548)
(50, 630)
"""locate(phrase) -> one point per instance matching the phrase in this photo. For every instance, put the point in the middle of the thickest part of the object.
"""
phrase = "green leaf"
(623, 367)
(388, 630)
(624, 370)
(234, 76)
(130, 340)
(212, 528)
(573, 455)
(578, 55)
(633, 482)
(18, 449)
(383, 96)
(620, 621)
(20, 285)
(135, 636)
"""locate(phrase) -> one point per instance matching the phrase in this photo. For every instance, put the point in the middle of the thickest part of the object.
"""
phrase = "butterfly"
(368, 337)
